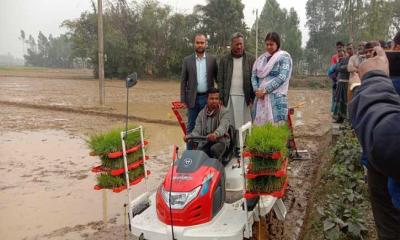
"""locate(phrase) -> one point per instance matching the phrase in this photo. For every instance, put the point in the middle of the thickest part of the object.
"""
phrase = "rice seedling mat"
(268, 172)
(123, 187)
(111, 171)
(119, 171)
(279, 193)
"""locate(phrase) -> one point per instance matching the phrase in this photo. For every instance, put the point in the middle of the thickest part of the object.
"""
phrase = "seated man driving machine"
(213, 123)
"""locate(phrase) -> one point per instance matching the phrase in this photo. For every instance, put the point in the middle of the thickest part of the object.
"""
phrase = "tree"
(49, 52)
(377, 24)
(275, 19)
(221, 18)
(396, 16)
(83, 36)
(322, 24)
(292, 38)
(23, 39)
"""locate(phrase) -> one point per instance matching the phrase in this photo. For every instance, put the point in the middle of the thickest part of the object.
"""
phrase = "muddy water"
(47, 188)
(47, 185)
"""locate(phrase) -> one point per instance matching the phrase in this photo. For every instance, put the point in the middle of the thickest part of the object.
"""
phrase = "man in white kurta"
(234, 81)
(237, 104)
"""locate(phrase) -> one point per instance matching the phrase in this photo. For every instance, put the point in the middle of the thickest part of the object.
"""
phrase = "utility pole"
(351, 22)
(256, 33)
(101, 49)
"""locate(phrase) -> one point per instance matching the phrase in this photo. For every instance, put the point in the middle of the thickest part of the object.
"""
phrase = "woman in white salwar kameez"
(270, 80)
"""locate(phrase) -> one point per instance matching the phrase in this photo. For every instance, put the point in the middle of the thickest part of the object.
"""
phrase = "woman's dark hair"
(273, 36)
(212, 90)
(396, 38)
(383, 43)
(372, 44)
(339, 43)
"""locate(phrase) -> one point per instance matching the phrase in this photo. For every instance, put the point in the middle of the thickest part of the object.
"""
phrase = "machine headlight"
(179, 199)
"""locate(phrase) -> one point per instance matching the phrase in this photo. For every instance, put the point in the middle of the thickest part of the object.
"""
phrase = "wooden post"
(101, 48)
(105, 208)
(256, 33)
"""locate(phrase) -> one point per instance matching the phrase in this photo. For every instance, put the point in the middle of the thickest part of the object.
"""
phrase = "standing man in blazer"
(199, 72)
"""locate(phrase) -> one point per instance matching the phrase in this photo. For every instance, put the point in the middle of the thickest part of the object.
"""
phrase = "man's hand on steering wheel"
(212, 137)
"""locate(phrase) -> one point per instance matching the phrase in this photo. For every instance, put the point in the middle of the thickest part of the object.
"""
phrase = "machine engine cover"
(190, 172)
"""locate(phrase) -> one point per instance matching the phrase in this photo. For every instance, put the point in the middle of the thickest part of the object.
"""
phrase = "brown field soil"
(47, 191)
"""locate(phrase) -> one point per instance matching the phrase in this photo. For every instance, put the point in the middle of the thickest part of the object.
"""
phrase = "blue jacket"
(375, 116)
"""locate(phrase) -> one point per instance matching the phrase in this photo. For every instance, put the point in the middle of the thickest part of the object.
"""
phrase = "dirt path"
(47, 179)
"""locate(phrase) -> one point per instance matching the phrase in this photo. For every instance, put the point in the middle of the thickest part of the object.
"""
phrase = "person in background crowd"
(270, 80)
(396, 42)
(199, 71)
(384, 44)
(332, 73)
(375, 117)
(352, 67)
(394, 64)
(369, 48)
(339, 47)
(340, 107)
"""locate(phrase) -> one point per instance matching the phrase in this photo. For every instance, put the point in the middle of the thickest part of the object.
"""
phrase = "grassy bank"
(340, 207)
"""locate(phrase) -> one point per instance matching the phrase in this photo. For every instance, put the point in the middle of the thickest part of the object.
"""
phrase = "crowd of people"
(365, 90)
(343, 71)
(249, 89)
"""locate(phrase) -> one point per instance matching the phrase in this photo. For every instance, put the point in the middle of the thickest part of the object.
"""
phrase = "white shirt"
(237, 77)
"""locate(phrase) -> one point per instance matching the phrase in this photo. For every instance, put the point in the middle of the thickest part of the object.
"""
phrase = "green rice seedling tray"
(108, 142)
(118, 189)
(268, 139)
(116, 172)
(278, 192)
(117, 163)
(271, 155)
(267, 172)
(133, 149)
(258, 164)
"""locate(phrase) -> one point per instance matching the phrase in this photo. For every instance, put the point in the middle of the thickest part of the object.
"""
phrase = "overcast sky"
(33, 16)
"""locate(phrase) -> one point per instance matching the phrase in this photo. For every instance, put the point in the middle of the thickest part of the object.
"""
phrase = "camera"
(394, 63)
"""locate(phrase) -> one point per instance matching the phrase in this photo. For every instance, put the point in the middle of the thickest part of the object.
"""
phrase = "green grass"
(262, 164)
(107, 181)
(110, 141)
(268, 138)
(265, 184)
(117, 163)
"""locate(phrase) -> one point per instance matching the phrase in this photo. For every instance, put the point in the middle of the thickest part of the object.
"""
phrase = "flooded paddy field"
(46, 189)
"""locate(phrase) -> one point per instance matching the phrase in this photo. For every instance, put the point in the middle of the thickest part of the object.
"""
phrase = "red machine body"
(194, 170)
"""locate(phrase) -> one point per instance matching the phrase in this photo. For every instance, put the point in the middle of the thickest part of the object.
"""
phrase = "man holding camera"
(375, 116)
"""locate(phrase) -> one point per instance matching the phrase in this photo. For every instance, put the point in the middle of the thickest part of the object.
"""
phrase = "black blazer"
(189, 78)
(225, 71)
